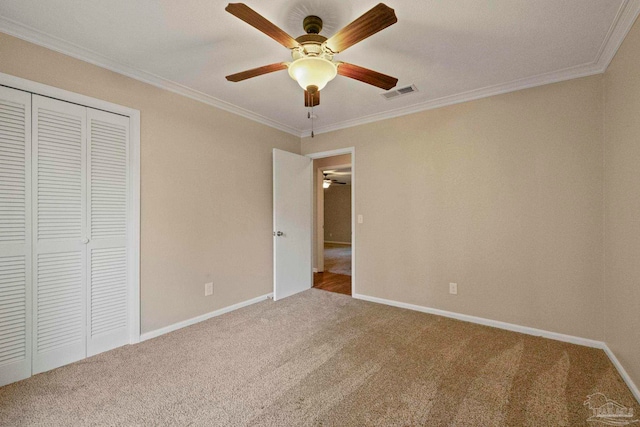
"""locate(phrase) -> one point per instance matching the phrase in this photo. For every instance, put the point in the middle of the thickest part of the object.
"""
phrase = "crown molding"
(625, 18)
(620, 27)
(539, 80)
(32, 35)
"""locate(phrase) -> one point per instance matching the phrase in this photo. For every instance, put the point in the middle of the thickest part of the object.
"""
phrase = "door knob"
(85, 240)
(278, 233)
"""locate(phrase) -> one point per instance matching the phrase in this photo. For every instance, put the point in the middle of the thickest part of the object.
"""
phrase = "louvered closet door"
(60, 237)
(107, 320)
(15, 236)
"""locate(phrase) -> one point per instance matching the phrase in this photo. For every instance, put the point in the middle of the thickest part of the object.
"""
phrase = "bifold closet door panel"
(59, 232)
(15, 235)
(108, 316)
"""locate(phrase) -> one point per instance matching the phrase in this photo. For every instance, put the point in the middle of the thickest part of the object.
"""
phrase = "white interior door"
(15, 235)
(60, 235)
(107, 317)
(292, 223)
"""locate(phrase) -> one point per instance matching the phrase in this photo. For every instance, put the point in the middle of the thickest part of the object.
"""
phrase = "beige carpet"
(337, 258)
(323, 359)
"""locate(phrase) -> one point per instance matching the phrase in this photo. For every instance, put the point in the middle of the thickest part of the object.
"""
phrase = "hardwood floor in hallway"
(332, 282)
(337, 274)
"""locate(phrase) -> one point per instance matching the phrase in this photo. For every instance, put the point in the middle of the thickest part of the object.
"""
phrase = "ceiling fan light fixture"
(313, 65)
(326, 183)
(312, 71)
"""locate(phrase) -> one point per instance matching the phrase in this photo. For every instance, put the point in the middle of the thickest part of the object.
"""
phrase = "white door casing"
(15, 235)
(352, 152)
(292, 223)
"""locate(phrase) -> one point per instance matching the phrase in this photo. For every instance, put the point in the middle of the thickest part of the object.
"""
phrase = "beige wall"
(502, 195)
(205, 187)
(337, 214)
(622, 204)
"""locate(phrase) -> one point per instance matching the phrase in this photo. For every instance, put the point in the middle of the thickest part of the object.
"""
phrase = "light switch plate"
(360, 219)
(453, 288)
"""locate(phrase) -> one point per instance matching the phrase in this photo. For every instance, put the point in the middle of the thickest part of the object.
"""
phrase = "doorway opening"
(333, 222)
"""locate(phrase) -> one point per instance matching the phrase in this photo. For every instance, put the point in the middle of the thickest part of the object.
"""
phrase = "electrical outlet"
(360, 219)
(453, 288)
(208, 289)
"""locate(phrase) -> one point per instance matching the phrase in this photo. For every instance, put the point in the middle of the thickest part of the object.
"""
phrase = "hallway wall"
(337, 213)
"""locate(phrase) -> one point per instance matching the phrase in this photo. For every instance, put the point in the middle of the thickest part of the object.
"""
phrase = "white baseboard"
(487, 322)
(338, 243)
(315, 270)
(515, 328)
(623, 373)
(464, 317)
(197, 319)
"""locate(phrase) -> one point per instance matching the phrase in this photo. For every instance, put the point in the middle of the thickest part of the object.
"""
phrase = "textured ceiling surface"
(444, 48)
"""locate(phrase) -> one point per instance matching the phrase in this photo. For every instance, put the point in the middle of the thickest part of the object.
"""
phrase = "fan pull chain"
(310, 114)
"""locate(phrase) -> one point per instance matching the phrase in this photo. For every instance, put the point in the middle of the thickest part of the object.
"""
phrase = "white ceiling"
(451, 50)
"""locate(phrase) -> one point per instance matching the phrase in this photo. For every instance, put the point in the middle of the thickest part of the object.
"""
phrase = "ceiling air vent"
(400, 92)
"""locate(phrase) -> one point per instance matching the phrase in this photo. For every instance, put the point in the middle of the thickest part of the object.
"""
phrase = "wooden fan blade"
(378, 18)
(367, 76)
(253, 18)
(243, 75)
(311, 100)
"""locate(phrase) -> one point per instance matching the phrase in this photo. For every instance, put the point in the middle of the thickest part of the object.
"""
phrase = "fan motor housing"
(311, 38)
(312, 24)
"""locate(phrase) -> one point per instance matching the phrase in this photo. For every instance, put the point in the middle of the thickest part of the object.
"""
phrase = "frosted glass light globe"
(312, 71)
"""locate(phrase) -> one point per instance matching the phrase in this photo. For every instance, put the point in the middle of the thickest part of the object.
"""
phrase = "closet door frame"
(133, 211)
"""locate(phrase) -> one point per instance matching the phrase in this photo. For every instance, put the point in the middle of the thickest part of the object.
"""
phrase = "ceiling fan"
(326, 182)
(313, 65)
